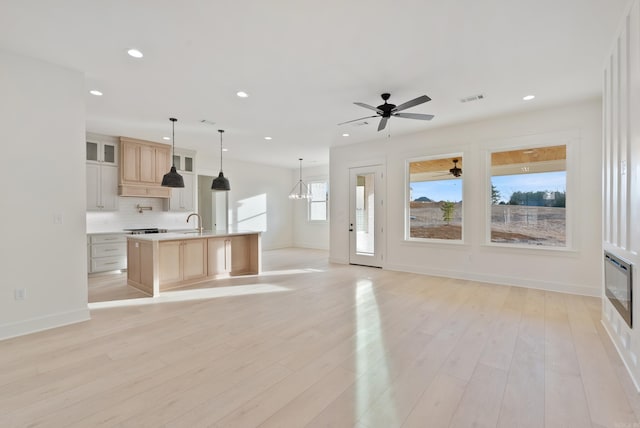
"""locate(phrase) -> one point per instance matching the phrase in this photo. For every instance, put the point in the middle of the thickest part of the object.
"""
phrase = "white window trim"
(572, 166)
(407, 208)
(326, 182)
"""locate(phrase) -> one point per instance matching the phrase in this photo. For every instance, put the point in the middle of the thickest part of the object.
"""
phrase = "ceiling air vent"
(208, 122)
(472, 98)
(364, 122)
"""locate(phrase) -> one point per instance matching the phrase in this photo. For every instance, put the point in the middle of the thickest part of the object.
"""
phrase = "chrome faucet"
(199, 220)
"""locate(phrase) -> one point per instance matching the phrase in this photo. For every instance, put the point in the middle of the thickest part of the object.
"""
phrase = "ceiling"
(304, 63)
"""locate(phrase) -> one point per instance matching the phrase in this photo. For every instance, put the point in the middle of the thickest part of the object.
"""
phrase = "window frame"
(568, 139)
(310, 200)
(407, 203)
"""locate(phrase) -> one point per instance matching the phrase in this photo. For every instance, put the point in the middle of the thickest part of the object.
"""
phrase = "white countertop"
(124, 232)
(172, 236)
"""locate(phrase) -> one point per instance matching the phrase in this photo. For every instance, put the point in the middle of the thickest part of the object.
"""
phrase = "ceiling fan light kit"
(386, 110)
(220, 183)
(172, 178)
(300, 190)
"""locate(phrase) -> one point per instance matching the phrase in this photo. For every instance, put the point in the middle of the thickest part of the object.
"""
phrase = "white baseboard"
(35, 325)
(502, 280)
(310, 245)
(277, 246)
(338, 261)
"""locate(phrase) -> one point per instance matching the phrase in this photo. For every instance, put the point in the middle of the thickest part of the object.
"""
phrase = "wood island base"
(172, 260)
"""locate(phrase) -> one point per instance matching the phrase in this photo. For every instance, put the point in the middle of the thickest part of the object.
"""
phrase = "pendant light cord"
(220, 131)
(300, 159)
(173, 140)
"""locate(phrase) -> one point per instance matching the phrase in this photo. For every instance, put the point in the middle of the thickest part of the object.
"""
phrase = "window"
(435, 198)
(318, 201)
(528, 196)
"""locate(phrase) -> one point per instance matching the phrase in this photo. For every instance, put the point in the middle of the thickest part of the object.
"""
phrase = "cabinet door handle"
(111, 249)
(111, 263)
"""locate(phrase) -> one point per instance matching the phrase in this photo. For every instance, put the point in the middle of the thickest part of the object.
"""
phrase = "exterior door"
(366, 215)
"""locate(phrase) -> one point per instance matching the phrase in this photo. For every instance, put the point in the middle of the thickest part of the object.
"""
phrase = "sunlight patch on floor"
(190, 295)
(373, 372)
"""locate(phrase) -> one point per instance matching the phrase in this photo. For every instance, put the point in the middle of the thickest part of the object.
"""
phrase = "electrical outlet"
(20, 293)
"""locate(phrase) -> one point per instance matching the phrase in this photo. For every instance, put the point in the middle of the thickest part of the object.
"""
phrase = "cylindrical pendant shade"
(220, 183)
(172, 179)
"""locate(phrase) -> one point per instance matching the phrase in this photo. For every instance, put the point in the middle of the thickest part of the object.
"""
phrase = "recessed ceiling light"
(528, 97)
(268, 138)
(95, 92)
(135, 53)
(345, 135)
(166, 138)
(225, 150)
(242, 94)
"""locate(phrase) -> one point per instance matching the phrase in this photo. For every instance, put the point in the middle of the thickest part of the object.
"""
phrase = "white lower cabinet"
(107, 252)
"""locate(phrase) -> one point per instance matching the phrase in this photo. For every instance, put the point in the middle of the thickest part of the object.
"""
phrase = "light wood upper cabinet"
(162, 164)
(147, 165)
(142, 166)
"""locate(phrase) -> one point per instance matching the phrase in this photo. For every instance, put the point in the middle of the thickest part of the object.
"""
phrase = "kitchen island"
(164, 261)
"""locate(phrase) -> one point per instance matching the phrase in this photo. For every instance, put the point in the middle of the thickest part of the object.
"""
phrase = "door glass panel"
(92, 151)
(365, 204)
(109, 153)
(176, 162)
(188, 164)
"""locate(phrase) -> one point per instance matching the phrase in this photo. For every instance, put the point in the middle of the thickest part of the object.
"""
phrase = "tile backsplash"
(129, 217)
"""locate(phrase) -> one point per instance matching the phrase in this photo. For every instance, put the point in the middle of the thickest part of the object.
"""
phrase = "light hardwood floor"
(310, 344)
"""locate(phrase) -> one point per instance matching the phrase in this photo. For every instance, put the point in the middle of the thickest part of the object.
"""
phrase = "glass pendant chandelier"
(220, 182)
(172, 178)
(300, 190)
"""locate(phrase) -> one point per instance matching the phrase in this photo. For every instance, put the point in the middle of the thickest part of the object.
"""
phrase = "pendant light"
(220, 182)
(300, 190)
(172, 178)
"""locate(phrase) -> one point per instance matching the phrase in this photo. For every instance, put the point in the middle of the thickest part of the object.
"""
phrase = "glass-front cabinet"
(183, 162)
(102, 152)
(184, 199)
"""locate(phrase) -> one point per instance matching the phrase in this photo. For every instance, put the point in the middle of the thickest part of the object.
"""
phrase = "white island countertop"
(194, 234)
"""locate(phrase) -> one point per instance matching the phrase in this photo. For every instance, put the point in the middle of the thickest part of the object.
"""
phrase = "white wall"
(43, 176)
(309, 234)
(258, 199)
(622, 177)
(575, 271)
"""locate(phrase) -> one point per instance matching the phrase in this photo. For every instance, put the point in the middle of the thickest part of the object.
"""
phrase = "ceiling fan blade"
(383, 123)
(356, 120)
(376, 109)
(414, 116)
(414, 102)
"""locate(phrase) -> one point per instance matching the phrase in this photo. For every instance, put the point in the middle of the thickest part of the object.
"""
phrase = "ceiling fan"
(455, 171)
(385, 111)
